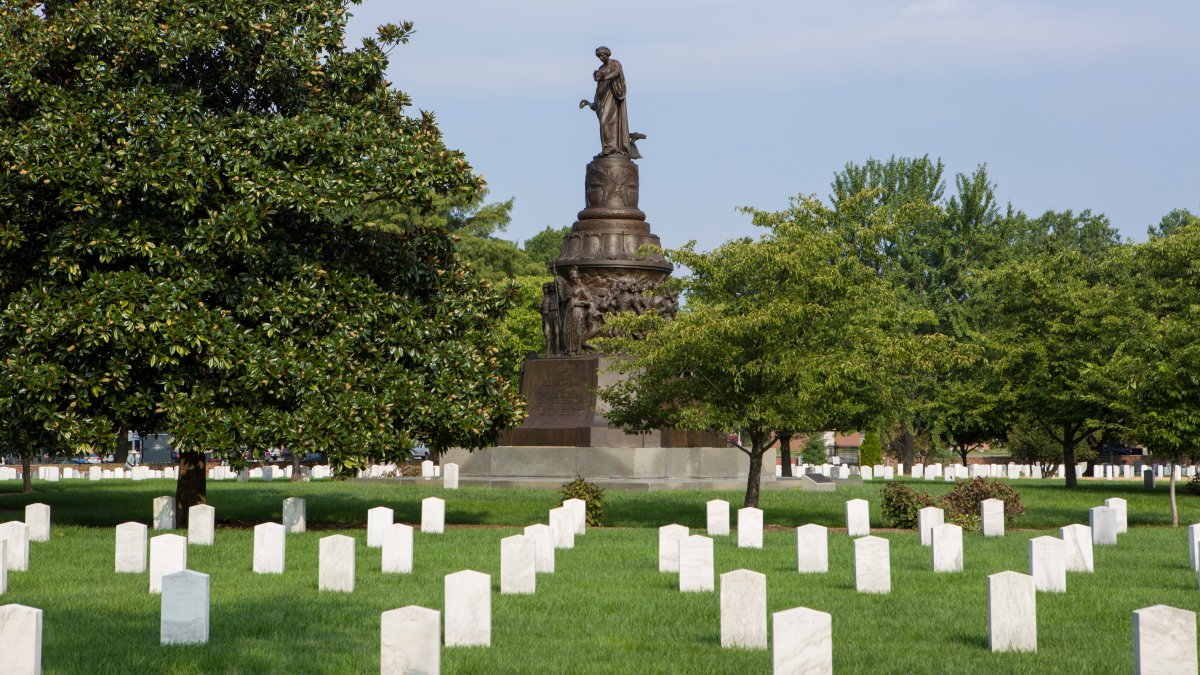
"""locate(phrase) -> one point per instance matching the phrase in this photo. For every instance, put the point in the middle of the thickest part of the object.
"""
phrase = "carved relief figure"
(551, 322)
(609, 104)
(579, 311)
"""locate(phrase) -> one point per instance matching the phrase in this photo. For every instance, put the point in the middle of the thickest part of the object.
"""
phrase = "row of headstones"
(1011, 471)
(429, 471)
(185, 593)
(1164, 638)
(1012, 610)
(54, 473)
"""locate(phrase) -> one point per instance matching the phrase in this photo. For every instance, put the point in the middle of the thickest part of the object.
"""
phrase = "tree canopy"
(183, 240)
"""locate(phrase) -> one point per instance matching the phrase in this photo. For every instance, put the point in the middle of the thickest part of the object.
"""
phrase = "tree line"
(933, 316)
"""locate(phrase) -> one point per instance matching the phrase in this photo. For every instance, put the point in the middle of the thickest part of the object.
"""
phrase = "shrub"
(814, 449)
(900, 505)
(1193, 485)
(589, 492)
(870, 452)
(962, 503)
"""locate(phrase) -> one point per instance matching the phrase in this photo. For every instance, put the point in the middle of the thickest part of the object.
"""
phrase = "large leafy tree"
(1154, 376)
(182, 190)
(788, 331)
(1052, 318)
(931, 247)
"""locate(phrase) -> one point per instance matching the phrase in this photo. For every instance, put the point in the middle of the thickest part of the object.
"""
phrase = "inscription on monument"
(561, 393)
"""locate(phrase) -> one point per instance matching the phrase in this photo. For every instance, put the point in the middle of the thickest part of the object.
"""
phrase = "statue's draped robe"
(610, 108)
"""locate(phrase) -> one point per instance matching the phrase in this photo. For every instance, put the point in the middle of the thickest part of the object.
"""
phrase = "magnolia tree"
(182, 189)
(788, 331)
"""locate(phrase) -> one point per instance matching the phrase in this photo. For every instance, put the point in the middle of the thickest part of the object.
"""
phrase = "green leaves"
(182, 192)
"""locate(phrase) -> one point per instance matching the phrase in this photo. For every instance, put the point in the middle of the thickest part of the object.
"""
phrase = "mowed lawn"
(606, 608)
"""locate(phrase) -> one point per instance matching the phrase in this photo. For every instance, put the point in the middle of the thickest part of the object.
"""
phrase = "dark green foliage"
(900, 504)
(962, 503)
(814, 451)
(870, 452)
(546, 245)
(1193, 486)
(183, 244)
(589, 492)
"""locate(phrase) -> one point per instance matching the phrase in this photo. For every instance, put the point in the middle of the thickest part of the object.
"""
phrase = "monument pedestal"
(567, 434)
(565, 411)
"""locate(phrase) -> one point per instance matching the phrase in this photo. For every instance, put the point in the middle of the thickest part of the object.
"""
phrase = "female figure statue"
(610, 104)
(579, 301)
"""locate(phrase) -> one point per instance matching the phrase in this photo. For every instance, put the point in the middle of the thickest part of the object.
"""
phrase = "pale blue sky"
(1072, 104)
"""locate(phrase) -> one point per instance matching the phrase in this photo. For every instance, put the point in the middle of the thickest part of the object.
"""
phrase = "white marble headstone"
(336, 566)
(991, 517)
(131, 547)
(1104, 525)
(858, 518)
(750, 529)
(164, 513)
(872, 565)
(812, 548)
(468, 609)
(518, 565)
(378, 519)
(20, 640)
(578, 511)
(295, 514)
(16, 534)
(201, 523)
(563, 524)
(1012, 612)
(696, 564)
(398, 549)
(1048, 564)
(1077, 546)
(1121, 507)
(450, 476)
(410, 641)
(744, 609)
(1164, 641)
(947, 548)
(865, 473)
(802, 643)
(184, 613)
(927, 519)
(3, 567)
(168, 555)
(433, 515)
(270, 548)
(668, 546)
(427, 469)
(543, 546)
(37, 517)
(718, 518)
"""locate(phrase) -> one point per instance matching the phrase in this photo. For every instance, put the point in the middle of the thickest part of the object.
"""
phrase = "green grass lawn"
(606, 608)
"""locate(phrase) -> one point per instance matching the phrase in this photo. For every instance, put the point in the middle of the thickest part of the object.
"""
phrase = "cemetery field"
(334, 504)
(606, 608)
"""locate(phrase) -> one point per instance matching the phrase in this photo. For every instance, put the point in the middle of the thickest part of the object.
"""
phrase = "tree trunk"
(1174, 506)
(26, 479)
(296, 473)
(191, 487)
(785, 454)
(905, 446)
(754, 478)
(1068, 448)
(123, 447)
(964, 450)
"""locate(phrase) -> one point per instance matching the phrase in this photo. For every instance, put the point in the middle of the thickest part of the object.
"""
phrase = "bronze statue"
(610, 104)
(579, 315)
(550, 321)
